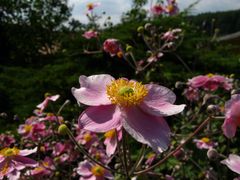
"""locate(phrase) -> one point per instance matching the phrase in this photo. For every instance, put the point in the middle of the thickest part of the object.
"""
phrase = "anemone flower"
(233, 163)
(12, 160)
(232, 116)
(112, 47)
(44, 104)
(111, 140)
(90, 171)
(138, 108)
(90, 34)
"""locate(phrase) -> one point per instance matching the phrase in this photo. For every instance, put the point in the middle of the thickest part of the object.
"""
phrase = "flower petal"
(233, 163)
(27, 152)
(147, 129)
(93, 90)
(84, 168)
(229, 128)
(111, 145)
(100, 118)
(25, 161)
(159, 94)
(161, 108)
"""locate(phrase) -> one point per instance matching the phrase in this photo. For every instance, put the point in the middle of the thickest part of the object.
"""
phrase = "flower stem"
(205, 122)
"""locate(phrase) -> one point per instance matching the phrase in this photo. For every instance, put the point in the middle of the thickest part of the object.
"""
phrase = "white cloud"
(115, 8)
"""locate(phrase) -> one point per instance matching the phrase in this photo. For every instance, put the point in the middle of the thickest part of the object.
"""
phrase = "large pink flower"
(233, 163)
(232, 116)
(138, 108)
(12, 160)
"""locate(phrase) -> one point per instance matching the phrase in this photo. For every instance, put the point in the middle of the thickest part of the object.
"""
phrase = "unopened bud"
(212, 109)
(140, 29)
(212, 154)
(179, 85)
(62, 129)
(47, 94)
(235, 91)
(147, 26)
(57, 173)
(129, 48)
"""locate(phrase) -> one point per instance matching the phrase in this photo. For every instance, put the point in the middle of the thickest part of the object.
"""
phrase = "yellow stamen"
(110, 134)
(210, 75)
(205, 139)
(97, 170)
(5, 168)
(126, 93)
(87, 137)
(9, 152)
(28, 128)
(90, 6)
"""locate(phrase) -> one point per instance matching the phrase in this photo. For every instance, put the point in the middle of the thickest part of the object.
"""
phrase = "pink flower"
(12, 160)
(90, 34)
(204, 143)
(192, 94)
(171, 7)
(45, 168)
(112, 47)
(157, 9)
(138, 108)
(233, 163)
(171, 34)
(32, 129)
(6, 140)
(91, 6)
(88, 171)
(210, 82)
(111, 140)
(150, 159)
(86, 138)
(44, 104)
(232, 116)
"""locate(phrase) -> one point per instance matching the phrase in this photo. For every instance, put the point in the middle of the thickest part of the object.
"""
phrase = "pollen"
(205, 139)
(97, 170)
(110, 134)
(126, 93)
(28, 128)
(87, 137)
(9, 152)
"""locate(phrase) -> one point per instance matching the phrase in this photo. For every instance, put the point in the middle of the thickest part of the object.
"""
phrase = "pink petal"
(27, 152)
(233, 163)
(100, 118)
(157, 93)
(25, 161)
(229, 128)
(111, 145)
(93, 90)
(54, 98)
(161, 108)
(147, 129)
(84, 168)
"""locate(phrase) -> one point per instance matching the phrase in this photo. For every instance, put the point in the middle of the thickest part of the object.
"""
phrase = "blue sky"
(115, 8)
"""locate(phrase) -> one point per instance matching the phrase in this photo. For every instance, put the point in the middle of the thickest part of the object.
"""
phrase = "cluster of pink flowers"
(170, 8)
(209, 82)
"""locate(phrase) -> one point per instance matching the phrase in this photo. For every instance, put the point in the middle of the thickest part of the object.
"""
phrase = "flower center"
(205, 139)
(9, 152)
(210, 75)
(90, 6)
(87, 137)
(28, 128)
(97, 170)
(110, 134)
(126, 93)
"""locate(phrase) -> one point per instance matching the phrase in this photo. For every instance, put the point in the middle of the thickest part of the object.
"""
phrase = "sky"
(115, 8)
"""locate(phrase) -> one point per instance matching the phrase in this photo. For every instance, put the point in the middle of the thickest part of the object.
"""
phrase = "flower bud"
(212, 109)
(212, 154)
(62, 129)
(140, 29)
(179, 85)
(129, 48)
(147, 26)
(235, 91)
(47, 94)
